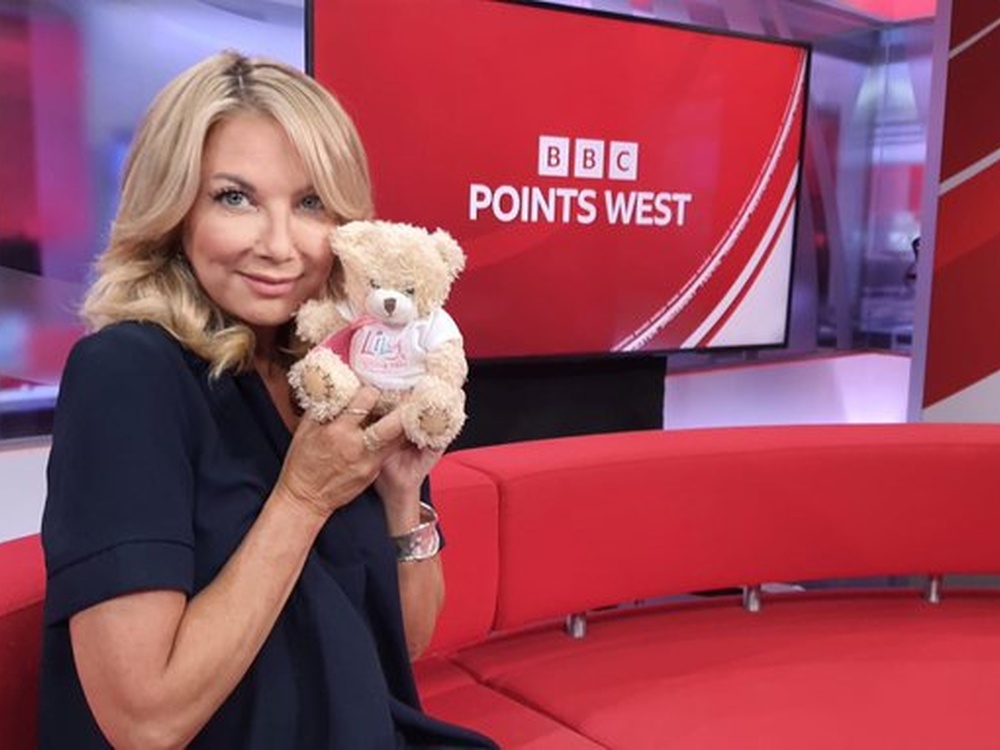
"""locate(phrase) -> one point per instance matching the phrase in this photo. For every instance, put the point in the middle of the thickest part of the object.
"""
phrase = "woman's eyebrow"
(235, 179)
(306, 189)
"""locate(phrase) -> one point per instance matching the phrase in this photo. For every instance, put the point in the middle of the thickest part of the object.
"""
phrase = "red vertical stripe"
(964, 336)
(971, 105)
(963, 344)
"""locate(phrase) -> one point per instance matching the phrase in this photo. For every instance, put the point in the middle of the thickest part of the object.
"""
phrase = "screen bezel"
(659, 352)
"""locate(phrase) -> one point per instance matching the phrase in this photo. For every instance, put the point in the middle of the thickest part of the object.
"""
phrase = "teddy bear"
(383, 323)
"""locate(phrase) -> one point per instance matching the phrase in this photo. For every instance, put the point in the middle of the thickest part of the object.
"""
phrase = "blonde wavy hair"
(143, 274)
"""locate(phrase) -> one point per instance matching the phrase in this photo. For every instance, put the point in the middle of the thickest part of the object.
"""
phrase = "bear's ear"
(450, 252)
(352, 240)
(338, 240)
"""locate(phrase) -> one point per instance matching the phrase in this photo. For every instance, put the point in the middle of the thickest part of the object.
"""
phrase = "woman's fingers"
(332, 462)
(378, 436)
(360, 407)
(385, 435)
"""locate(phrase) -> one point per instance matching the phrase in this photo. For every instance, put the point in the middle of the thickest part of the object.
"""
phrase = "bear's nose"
(390, 305)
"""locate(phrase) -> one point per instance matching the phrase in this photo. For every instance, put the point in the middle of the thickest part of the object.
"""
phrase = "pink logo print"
(377, 344)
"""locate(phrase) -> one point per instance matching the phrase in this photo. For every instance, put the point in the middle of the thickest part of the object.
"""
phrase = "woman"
(221, 573)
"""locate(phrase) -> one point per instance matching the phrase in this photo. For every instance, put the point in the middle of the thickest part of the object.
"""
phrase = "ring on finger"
(356, 411)
(370, 439)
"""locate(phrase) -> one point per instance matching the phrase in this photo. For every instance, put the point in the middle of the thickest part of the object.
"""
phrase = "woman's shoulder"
(121, 342)
(127, 347)
(129, 334)
(138, 366)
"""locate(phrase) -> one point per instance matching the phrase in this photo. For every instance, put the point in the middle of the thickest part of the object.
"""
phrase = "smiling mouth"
(270, 287)
(268, 279)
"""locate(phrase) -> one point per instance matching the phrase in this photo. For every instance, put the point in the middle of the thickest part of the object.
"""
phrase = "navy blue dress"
(156, 474)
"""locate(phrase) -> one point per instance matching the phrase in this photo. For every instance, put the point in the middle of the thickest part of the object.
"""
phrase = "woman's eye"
(232, 198)
(312, 203)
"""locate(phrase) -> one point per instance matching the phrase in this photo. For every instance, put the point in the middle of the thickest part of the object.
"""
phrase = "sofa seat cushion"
(450, 693)
(818, 670)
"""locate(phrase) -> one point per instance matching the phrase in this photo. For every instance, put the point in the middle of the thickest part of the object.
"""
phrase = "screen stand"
(526, 400)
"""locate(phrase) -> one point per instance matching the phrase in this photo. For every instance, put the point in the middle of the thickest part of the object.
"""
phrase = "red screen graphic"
(617, 184)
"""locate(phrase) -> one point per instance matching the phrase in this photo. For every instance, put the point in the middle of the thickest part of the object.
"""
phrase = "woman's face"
(256, 235)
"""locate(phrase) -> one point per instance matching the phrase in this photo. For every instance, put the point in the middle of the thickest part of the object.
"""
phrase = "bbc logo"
(590, 158)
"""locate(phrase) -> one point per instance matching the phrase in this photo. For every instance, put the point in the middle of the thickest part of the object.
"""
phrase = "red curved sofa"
(617, 530)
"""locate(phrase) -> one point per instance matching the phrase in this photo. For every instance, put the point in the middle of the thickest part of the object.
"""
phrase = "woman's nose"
(276, 240)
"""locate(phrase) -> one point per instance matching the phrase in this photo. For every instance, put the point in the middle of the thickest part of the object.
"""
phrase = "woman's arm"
(421, 583)
(154, 666)
(421, 592)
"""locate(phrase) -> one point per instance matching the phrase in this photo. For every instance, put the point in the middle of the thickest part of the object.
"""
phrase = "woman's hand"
(398, 484)
(330, 464)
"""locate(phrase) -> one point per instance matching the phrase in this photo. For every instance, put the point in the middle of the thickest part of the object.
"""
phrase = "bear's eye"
(409, 291)
(373, 284)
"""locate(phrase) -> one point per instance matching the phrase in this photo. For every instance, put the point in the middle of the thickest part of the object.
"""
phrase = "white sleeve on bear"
(439, 328)
(344, 308)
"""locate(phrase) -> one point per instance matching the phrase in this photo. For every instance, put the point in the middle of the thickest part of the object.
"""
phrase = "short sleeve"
(118, 517)
(441, 327)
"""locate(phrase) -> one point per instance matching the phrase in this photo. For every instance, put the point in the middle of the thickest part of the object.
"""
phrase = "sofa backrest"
(546, 528)
(468, 504)
(22, 589)
(597, 520)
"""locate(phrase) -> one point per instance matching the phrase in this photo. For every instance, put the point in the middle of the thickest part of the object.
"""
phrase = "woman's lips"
(267, 286)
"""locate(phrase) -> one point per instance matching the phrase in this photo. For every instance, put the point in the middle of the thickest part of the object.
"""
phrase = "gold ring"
(370, 439)
(356, 412)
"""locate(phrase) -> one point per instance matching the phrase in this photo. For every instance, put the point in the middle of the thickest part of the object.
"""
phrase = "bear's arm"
(318, 319)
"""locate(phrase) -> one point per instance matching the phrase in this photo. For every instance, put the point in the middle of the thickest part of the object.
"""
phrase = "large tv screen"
(618, 184)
